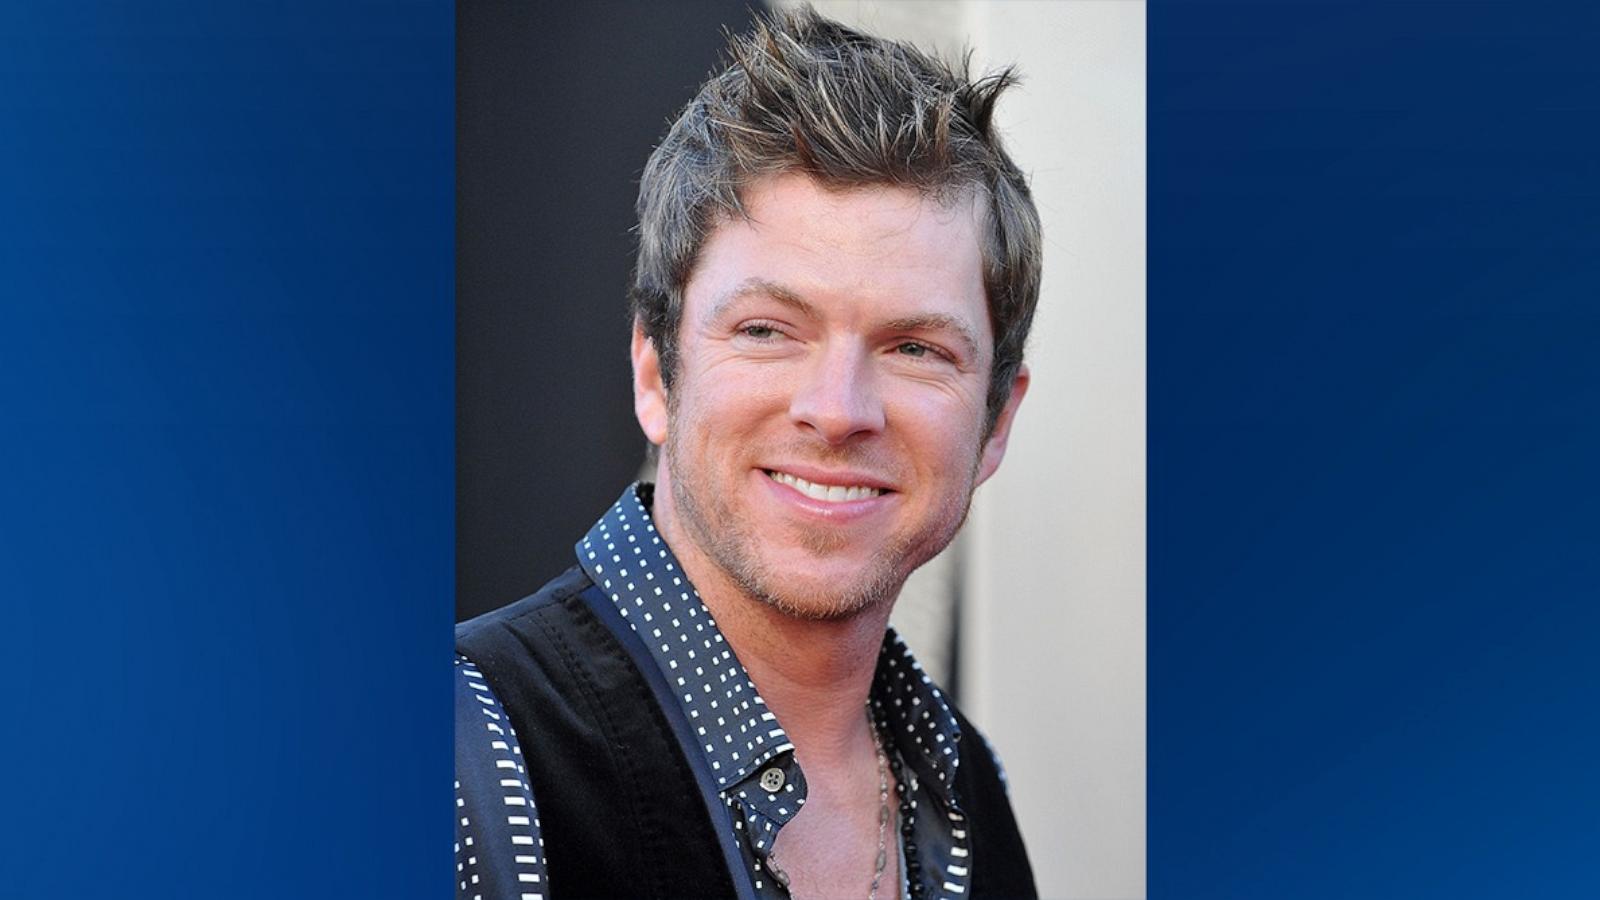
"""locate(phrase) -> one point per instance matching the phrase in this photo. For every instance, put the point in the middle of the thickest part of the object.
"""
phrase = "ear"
(994, 449)
(649, 394)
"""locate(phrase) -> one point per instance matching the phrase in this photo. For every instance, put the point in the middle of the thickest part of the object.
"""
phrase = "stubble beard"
(729, 543)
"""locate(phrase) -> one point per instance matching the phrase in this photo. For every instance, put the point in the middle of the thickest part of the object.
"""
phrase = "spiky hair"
(802, 93)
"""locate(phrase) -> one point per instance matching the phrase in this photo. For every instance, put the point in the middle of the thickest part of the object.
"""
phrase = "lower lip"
(839, 512)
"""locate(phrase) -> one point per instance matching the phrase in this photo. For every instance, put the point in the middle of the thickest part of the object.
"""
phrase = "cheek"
(716, 408)
(945, 428)
(749, 388)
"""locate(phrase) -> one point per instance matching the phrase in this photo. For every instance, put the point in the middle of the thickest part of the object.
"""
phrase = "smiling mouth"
(827, 493)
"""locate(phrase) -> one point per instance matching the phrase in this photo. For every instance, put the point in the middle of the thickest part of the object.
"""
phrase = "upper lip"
(832, 477)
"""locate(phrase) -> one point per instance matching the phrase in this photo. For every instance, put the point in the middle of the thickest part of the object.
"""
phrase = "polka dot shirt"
(744, 746)
(499, 853)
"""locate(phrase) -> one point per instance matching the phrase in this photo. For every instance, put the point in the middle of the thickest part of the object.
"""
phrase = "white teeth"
(831, 493)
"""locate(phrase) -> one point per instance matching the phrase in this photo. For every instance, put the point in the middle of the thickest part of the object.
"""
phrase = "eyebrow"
(756, 286)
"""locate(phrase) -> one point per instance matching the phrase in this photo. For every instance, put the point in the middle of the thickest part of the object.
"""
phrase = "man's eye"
(759, 332)
(912, 348)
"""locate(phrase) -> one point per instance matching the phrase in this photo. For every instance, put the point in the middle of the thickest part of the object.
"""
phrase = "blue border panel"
(226, 359)
(1374, 435)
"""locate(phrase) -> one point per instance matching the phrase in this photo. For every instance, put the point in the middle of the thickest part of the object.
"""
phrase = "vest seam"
(620, 764)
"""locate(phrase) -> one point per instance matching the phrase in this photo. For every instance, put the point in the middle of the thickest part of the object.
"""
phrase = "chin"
(821, 606)
(821, 596)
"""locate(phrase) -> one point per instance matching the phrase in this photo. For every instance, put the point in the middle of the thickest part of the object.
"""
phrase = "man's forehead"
(799, 239)
(943, 201)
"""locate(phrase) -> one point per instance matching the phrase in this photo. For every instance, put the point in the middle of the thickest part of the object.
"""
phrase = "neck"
(814, 674)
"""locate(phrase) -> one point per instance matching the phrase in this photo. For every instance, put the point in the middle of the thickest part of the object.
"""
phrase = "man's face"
(824, 432)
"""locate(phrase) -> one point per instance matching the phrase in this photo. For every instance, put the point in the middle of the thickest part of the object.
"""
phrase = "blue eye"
(759, 332)
(912, 348)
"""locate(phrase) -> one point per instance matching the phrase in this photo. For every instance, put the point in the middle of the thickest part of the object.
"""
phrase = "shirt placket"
(763, 802)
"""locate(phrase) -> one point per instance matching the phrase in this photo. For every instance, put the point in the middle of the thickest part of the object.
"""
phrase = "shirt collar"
(625, 556)
(920, 723)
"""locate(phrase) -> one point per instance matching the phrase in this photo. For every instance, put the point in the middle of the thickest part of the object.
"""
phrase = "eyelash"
(925, 348)
(773, 331)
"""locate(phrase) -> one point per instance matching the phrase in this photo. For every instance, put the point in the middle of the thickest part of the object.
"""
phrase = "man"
(837, 270)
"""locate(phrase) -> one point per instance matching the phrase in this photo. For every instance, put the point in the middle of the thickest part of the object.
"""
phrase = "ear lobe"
(649, 394)
(994, 449)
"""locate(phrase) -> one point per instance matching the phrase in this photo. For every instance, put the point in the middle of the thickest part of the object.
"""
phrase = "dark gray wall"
(557, 107)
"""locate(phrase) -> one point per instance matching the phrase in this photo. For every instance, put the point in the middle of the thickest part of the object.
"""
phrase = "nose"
(837, 396)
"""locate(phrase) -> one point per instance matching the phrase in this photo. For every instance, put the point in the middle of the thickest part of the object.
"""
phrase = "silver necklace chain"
(883, 820)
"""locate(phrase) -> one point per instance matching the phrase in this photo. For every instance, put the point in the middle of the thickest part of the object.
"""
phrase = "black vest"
(624, 811)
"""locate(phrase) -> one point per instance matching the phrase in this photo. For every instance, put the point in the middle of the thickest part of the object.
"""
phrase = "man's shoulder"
(515, 617)
(525, 643)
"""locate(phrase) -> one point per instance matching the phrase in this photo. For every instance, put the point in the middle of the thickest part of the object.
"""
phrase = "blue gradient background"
(1374, 240)
(226, 363)
(226, 380)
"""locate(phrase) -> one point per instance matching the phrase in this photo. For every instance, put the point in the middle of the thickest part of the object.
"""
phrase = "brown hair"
(804, 93)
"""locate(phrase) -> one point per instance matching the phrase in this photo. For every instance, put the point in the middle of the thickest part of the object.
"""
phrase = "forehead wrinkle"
(758, 286)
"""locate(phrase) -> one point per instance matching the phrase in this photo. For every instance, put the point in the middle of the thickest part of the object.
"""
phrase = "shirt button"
(772, 780)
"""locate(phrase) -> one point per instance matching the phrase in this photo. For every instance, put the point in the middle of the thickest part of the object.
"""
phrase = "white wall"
(1053, 629)
(1055, 644)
